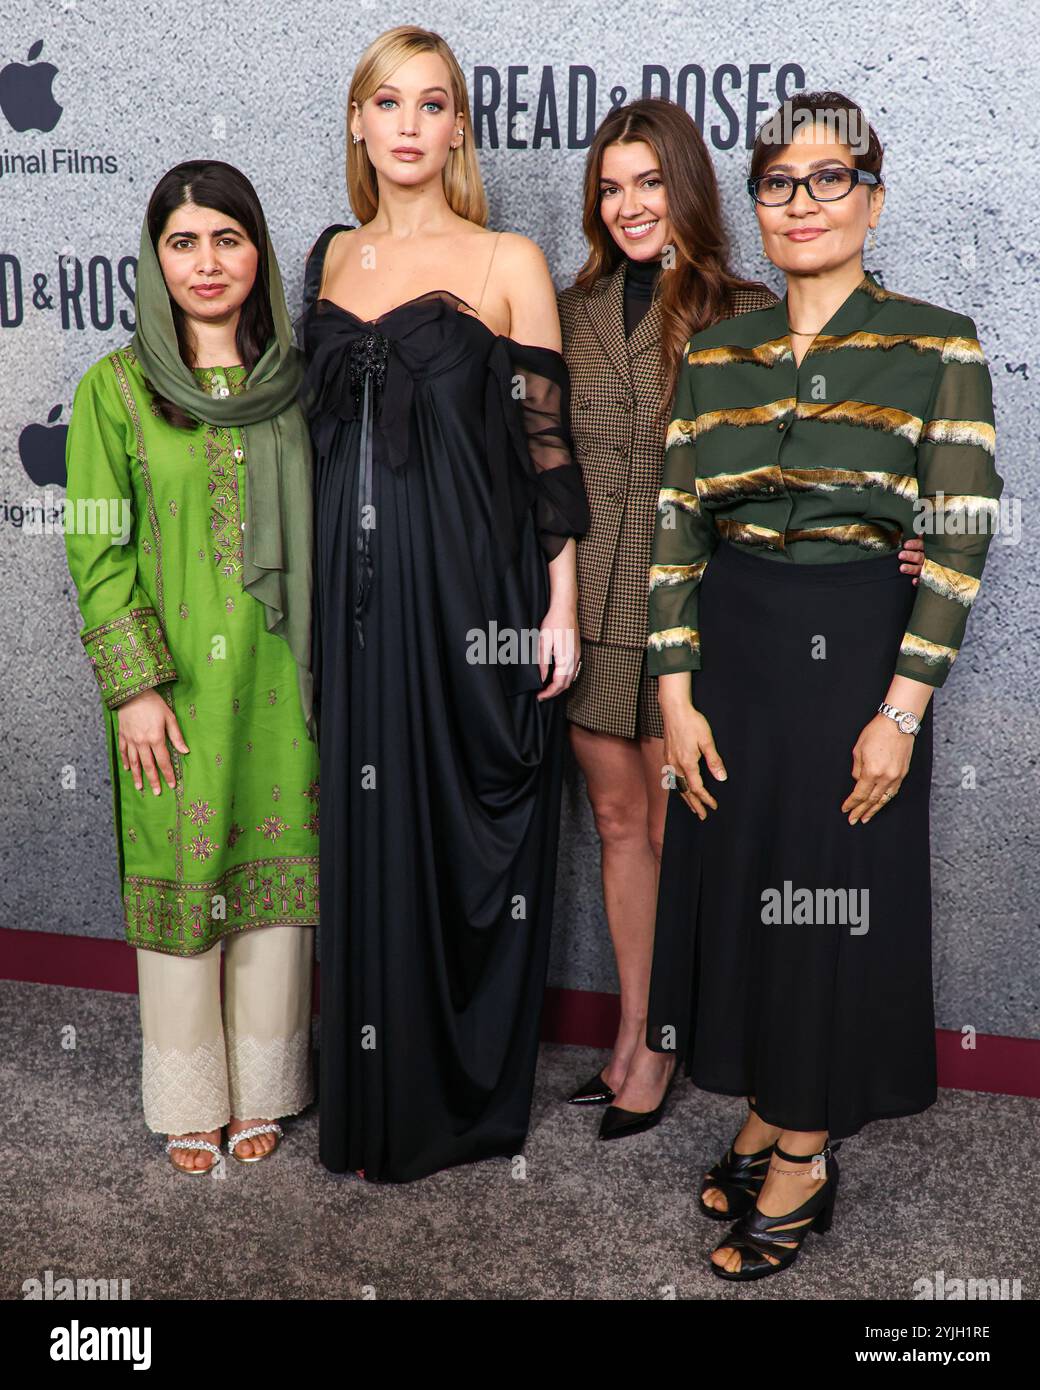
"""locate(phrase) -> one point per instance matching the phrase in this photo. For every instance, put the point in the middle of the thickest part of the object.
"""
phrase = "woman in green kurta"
(188, 537)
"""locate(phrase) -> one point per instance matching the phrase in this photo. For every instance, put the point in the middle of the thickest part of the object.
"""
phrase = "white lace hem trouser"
(252, 1059)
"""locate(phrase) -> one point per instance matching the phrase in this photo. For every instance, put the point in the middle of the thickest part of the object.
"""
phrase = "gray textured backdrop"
(950, 89)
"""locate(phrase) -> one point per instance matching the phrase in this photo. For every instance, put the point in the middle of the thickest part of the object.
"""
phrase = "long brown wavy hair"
(463, 186)
(697, 291)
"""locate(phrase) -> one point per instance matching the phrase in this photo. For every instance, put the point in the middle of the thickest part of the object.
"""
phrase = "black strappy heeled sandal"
(755, 1235)
(739, 1177)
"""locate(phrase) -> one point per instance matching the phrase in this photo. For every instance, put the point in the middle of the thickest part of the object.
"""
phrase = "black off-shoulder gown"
(444, 481)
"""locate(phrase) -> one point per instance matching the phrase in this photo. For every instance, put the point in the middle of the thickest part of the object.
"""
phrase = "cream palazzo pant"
(201, 1066)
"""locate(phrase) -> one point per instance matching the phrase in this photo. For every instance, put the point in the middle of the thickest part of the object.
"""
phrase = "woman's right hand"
(688, 738)
(145, 720)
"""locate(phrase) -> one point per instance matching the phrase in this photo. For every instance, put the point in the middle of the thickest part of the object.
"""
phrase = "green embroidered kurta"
(235, 845)
(885, 430)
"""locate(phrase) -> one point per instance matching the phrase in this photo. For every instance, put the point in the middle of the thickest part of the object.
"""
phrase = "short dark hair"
(771, 135)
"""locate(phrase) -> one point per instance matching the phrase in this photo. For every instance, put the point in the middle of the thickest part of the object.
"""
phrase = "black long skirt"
(818, 1003)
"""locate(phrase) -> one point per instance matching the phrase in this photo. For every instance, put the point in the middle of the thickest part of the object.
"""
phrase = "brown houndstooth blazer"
(619, 443)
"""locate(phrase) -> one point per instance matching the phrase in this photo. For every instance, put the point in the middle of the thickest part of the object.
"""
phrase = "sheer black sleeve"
(539, 400)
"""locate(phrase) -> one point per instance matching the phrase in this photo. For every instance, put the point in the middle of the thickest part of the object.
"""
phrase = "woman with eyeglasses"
(792, 954)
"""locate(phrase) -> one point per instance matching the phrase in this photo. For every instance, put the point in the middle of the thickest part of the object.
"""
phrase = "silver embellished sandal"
(193, 1144)
(271, 1128)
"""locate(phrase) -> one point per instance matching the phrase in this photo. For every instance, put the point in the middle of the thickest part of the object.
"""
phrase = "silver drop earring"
(872, 239)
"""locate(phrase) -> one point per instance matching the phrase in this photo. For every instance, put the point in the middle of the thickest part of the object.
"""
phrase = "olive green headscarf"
(278, 537)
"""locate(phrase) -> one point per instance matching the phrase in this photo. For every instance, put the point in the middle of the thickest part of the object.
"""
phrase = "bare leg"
(615, 777)
(648, 1072)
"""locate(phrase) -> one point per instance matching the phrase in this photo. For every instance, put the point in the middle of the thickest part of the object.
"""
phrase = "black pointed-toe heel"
(621, 1124)
(594, 1092)
(739, 1177)
(755, 1235)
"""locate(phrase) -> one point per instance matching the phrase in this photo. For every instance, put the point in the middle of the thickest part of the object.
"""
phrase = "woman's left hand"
(560, 640)
(880, 761)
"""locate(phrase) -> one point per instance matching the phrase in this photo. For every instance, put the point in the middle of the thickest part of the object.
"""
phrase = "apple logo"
(25, 93)
(42, 451)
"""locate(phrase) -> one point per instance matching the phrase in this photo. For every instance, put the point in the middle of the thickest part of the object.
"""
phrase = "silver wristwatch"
(906, 719)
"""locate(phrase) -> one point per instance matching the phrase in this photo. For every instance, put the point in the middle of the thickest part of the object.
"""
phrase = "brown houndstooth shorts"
(614, 694)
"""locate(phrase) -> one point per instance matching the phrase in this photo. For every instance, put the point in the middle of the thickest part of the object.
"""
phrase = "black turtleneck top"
(640, 280)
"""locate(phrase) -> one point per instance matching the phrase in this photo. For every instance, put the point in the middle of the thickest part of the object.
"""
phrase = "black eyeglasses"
(823, 185)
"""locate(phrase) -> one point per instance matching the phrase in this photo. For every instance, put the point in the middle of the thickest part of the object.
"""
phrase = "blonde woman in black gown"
(447, 503)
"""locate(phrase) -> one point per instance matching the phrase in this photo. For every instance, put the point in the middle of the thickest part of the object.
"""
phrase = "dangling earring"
(872, 239)
(453, 146)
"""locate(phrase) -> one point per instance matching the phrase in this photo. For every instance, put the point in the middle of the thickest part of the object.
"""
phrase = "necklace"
(795, 332)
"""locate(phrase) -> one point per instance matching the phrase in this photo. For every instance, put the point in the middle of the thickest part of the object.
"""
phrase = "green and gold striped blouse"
(884, 431)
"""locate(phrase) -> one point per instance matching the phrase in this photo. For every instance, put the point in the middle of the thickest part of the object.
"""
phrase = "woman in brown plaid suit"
(651, 204)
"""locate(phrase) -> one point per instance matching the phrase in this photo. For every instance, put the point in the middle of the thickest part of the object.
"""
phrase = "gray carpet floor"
(86, 1192)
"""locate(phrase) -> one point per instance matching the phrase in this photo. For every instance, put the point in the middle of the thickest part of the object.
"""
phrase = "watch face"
(907, 722)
